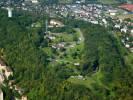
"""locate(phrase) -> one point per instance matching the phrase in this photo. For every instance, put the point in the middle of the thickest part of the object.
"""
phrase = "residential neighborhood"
(93, 13)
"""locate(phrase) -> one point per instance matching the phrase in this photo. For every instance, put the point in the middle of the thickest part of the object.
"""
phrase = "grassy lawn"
(65, 1)
(108, 1)
(74, 48)
(37, 24)
(63, 37)
(89, 81)
(48, 51)
(129, 60)
(126, 16)
(73, 51)
(66, 37)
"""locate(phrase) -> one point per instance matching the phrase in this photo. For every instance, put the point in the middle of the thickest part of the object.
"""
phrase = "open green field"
(126, 16)
(65, 1)
(108, 1)
(129, 60)
(88, 81)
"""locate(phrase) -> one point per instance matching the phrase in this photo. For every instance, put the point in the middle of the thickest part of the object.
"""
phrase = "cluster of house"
(94, 13)
(80, 77)
(89, 12)
(61, 45)
(53, 36)
(128, 7)
(126, 28)
(99, 14)
(32, 1)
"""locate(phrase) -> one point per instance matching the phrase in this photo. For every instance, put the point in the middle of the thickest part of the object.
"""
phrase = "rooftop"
(128, 7)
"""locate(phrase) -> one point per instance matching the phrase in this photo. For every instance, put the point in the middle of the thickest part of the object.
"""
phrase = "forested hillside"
(107, 74)
(110, 75)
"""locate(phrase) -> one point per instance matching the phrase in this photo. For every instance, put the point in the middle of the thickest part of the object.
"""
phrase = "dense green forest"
(108, 74)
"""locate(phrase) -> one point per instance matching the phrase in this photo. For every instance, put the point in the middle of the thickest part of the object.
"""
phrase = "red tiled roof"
(128, 7)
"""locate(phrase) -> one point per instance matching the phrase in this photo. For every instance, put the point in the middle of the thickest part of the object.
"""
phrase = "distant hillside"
(110, 1)
(87, 1)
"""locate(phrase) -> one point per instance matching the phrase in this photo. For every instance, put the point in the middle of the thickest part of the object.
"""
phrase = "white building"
(9, 12)
(80, 77)
(132, 32)
(117, 26)
(127, 46)
(104, 21)
(76, 64)
(34, 1)
(124, 30)
(94, 22)
(112, 12)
